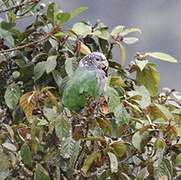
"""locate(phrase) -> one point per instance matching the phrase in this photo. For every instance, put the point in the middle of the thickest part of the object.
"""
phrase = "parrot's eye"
(97, 59)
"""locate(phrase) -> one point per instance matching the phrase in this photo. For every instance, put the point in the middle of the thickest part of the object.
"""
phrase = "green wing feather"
(78, 87)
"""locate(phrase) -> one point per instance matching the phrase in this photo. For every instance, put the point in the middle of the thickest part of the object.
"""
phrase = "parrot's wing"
(79, 86)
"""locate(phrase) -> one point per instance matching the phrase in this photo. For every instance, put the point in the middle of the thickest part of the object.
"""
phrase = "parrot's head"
(95, 60)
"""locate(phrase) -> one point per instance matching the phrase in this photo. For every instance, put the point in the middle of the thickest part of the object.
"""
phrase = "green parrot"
(88, 79)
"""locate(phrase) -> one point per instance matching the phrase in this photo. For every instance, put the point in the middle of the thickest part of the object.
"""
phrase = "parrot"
(88, 79)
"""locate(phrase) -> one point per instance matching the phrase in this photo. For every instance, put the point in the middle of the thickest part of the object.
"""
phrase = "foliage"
(133, 132)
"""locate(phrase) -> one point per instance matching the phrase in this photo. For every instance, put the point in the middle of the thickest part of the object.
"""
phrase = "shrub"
(133, 134)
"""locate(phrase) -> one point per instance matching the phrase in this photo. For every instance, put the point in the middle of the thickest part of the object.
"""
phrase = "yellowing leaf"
(119, 148)
(175, 130)
(161, 56)
(87, 163)
(28, 102)
(139, 141)
(150, 78)
(105, 124)
(122, 52)
(84, 49)
(164, 112)
(54, 101)
(160, 144)
(117, 81)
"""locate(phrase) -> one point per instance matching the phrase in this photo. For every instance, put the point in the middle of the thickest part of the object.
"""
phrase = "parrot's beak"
(104, 64)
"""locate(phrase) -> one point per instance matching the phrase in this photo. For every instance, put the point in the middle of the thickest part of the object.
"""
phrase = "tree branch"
(19, 5)
(28, 44)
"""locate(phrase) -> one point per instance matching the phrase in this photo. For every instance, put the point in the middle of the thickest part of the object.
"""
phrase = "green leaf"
(150, 78)
(141, 96)
(11, 16)
(142, 174)
(69, 147)
(138, 139)
(119, 148)
(10, 130)
(7, 26)
(26, 155)
(7, 36)
(112, 97)
(104, 45)
(36, 58)
(102, 33)
(51, 64)
(164, 169)
(20, 63)
(12, 95)
(52, 12)
(49, 113)
(161, 56)
(4, 162)
(90, 159)
(2, 58)
(62, 127)
(127, 31)
(113, 162)
(57, 77)
(78, 11)
(69, 66)
(39, 70)
(82, 29)
(41, 173)
(160, 144)
(178, 160)
(141, 64)
(63, 17)
(121, 115)
(117, 30)
(165, 113)
(6, 3)
(130, 40)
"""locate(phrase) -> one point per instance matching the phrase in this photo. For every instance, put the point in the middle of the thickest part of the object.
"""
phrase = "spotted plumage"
(88, 79)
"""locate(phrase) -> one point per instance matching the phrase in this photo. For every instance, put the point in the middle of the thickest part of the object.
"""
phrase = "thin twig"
(28, 44)
(4, 3)
(112, 45)
(19, 5)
